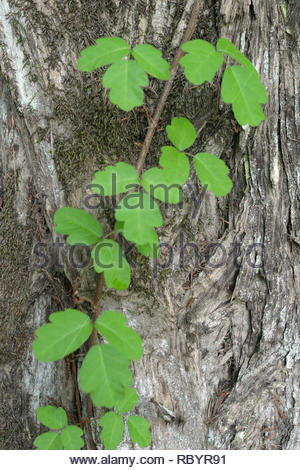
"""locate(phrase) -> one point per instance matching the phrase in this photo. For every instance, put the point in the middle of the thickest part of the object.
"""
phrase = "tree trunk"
(221, 363)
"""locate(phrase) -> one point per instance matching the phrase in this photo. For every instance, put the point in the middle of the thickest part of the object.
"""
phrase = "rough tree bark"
(221, 363)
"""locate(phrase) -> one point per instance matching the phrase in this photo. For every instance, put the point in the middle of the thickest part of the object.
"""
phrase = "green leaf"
(150, 249)
(181, 133)
(109, 258)
(165, 184)
(243, 89)
(201, 61)
(81, 226)
(115, 179)
(226, 46)
(48, 441)
(113, 429)
(105, 374)
(53, 418)
(125, 78)
(140, 214)
(159, 186)
(139, 431)
(212, 171)
(112, 325)
(106, 51)
(129, 401)
(151, 60)
(119, 226)
(67, 331)
(71, 438)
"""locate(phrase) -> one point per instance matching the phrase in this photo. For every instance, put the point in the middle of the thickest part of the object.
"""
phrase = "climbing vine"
(105, 372)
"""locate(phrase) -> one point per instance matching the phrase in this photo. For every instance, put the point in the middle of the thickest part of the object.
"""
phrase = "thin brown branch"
(96, 311)
(77, 394)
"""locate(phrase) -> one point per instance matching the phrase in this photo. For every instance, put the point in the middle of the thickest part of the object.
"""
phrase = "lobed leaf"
(81, 226)
(112, 325)
(113, 429)
(140, 214)
(151, 60)
(164, 184)
(213, 172)
(150, 249)
(105, 375)
(115, 179)
(126, 79)
(243, 89)
(48, 441)
(71, 438)
(119, 226)
(53, 418)
(109, 258)
(65, 333)
(226, 46)
(106, 51)
(156, 182)
(139, 431)
(201, 62)
(128, 402)
(181, 133)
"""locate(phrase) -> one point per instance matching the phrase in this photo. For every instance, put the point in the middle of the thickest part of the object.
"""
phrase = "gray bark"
(221, 363)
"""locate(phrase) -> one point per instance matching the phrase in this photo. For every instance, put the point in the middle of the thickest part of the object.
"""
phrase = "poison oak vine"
(105, 371)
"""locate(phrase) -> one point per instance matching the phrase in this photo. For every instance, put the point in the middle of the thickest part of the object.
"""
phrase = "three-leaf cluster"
(104, 374)
(69, 437)
(241, 85)
(124, 78)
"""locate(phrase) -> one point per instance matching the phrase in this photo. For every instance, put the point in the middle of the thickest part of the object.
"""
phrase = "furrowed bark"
(221, 363)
